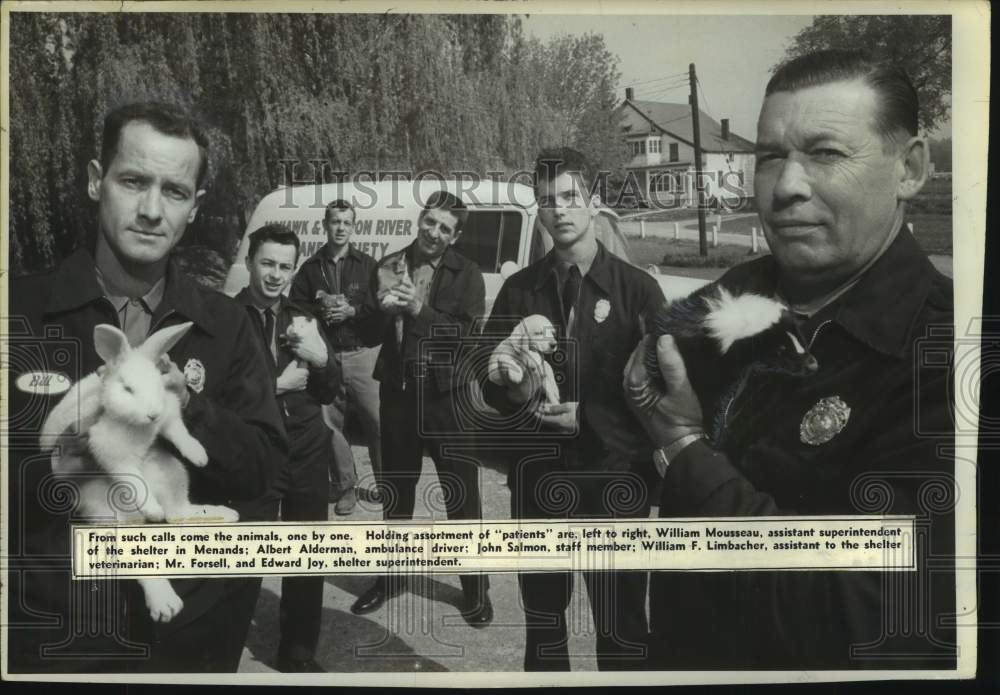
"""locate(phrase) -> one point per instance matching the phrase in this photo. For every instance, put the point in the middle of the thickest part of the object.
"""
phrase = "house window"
(661, 182)
(674, 152)
(654, 146)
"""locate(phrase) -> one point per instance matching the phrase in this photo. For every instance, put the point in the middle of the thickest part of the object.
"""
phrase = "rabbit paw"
(162, 601)
(192, 450)
(220, 514)
(152, 512)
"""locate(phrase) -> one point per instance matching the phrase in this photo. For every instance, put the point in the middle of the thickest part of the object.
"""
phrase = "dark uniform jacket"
(232, 412)
(356, 270)
(300, 410)
(591, 367)
(455, 303)
(884, 350)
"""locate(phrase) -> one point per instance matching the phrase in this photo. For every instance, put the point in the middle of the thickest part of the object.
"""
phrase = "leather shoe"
(372, 600)
(289, 665)
(345, 505)
(478, 613)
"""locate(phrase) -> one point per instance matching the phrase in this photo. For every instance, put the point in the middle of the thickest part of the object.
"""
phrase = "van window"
(490, 238)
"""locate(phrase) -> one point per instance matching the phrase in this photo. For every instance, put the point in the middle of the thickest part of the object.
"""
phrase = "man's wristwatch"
(664, 455)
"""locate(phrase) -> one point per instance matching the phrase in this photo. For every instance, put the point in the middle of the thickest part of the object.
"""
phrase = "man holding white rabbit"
(148, 183)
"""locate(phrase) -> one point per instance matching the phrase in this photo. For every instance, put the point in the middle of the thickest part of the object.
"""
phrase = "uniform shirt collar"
(449, 258)
(151, 300)
(76, 285)
(599, 270)
(246, 299)
(330, 255)
(882, 306)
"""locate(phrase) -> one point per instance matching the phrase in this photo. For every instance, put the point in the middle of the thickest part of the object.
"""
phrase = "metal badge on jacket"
(824, 421)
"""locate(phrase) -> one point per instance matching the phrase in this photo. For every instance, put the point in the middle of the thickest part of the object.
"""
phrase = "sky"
(733, 56)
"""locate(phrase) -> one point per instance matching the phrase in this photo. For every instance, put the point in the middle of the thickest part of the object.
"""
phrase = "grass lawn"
(684, 254)
(932, 231)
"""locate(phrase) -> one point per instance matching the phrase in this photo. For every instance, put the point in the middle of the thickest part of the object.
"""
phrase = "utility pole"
(696, 127)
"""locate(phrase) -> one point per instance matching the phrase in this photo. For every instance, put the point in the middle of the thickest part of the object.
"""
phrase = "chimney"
(725, 128)
(629, 94)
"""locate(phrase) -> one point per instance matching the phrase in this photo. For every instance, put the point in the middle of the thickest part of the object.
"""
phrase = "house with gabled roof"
(660, 138)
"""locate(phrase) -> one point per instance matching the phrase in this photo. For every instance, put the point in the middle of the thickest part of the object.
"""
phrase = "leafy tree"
(362, 92)
(921, 44)
(941, 153)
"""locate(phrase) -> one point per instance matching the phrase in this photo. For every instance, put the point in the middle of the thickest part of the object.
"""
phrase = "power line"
(658, 79)
(708, 108)
(662, 85)
(662, 92)
(666, 85)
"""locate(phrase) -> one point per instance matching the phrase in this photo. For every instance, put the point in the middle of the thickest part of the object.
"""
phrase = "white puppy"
(535, 336)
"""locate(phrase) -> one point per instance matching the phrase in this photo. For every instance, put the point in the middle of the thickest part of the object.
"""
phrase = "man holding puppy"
(596, 461)
(428, 291)
(305, 378)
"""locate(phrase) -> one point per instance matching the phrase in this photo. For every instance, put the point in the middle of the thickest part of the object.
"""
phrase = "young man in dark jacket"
(305, 378)
(334, 282)
(590, 448)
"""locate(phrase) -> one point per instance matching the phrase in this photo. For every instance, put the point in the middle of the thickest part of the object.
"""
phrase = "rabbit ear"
(110, 342)
(160, 342)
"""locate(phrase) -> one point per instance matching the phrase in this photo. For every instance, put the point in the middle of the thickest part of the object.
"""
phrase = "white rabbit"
(122, 409)
(536, 336)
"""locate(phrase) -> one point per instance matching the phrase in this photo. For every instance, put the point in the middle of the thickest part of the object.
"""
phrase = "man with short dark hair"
(305, 378)
(431, 296)
(593, 458)
(335, 282)
(147, 187)
(838, 158)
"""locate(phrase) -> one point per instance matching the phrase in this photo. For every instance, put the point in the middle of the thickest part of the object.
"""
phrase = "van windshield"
(491, 237)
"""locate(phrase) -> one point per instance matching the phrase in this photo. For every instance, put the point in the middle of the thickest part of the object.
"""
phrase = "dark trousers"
(544, 489)
(108, 630)
(213, 642)
(405, 436)
(306, 499)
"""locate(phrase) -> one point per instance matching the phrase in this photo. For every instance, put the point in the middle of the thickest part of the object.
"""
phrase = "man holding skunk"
(586, 457)
(838, 157)
(147, 184)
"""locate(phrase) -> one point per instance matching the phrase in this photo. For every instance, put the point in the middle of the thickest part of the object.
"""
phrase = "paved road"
(420, 631)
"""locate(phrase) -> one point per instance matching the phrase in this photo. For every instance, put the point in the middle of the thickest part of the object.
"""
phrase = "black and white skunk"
(724, 339)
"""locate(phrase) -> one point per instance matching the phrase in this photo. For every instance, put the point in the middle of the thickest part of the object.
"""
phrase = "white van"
(502, 233)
